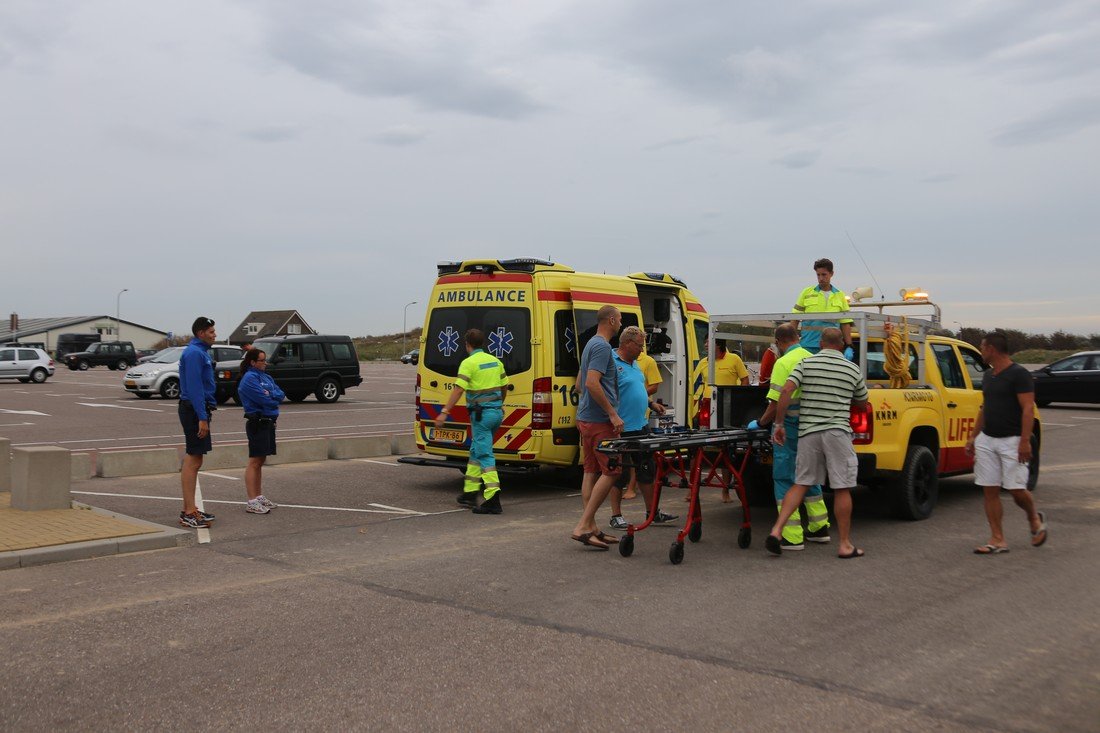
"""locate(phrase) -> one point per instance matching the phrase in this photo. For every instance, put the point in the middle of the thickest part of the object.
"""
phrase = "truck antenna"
(881, 294)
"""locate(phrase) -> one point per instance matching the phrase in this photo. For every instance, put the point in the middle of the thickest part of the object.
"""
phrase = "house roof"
(32, 326)
(273, 322)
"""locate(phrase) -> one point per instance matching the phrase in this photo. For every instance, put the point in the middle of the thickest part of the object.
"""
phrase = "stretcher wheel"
(683, 483)
(696, 531)
(626, 545)
(676, 553)
(744, 537)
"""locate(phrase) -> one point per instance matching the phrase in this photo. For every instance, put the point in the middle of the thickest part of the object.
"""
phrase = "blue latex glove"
(849, 353)
(754, 425)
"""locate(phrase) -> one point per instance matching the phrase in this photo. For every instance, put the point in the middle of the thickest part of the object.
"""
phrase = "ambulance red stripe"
(486, 278)
(605, 298)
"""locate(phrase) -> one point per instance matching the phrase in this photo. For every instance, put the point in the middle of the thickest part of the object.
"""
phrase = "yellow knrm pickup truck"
(906, 437)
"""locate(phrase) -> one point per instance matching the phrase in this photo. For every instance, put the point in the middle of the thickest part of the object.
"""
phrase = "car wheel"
(38, 376)
(143, 395)
(83, 365)
(122, 365)
(915, 492)
(111, 367)
(328, 390)
(170, 390)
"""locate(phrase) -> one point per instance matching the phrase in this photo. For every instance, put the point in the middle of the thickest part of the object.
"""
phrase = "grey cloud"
(400, 135)
(673, 143)
(1062, 120)
(868, 171)
(360, 49)
(28, 30)
(939, 178)
(798, 159)
(273, 133)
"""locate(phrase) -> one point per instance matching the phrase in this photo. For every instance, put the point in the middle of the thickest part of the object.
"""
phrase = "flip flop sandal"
(990, 550)
(608, 539)
(587, 539)
(1041, 531)
(856, 552)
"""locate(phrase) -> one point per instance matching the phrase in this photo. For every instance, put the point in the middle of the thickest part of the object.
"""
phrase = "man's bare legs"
(994, 512)
(600, 490)
(842, 508)
(189, 476)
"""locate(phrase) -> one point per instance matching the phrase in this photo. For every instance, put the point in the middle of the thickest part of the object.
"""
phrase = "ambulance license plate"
(131, 383)
(443, 435)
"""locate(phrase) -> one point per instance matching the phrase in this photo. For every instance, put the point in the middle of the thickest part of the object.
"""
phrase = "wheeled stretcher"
(697, 455)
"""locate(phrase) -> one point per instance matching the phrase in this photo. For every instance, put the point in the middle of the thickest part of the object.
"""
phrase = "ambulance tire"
(915, 491)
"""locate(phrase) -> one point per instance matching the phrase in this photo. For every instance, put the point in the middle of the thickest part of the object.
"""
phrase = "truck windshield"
(507, 337)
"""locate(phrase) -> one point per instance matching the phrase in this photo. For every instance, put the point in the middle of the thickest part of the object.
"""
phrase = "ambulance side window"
(586, 324)
(701, 330)
(565, 345)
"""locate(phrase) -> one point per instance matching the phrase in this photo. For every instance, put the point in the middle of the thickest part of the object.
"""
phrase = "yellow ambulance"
(537, 317)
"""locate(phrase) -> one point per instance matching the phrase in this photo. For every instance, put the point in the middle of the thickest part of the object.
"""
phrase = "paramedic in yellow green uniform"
(823, 298)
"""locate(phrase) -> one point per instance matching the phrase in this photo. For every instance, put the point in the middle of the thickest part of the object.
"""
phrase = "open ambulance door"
(592, 292)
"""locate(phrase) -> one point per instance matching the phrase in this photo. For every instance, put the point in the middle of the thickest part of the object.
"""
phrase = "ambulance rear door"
(592, 292)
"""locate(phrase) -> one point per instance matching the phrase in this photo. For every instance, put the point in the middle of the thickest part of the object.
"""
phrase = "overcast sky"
(221, 157)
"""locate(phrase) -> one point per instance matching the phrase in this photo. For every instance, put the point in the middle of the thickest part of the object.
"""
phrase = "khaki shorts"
(592, 434)
(997, 462)
(826, 453)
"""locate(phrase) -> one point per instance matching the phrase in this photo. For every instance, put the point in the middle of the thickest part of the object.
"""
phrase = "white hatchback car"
(26, 365)
(161, 374)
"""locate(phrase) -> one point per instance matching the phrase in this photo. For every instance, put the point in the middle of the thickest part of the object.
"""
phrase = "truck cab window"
(948, 363)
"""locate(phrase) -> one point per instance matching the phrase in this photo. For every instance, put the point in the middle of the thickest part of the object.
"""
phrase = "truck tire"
(328, 390)
(170, 390)
(1033, 465)
(914, 493)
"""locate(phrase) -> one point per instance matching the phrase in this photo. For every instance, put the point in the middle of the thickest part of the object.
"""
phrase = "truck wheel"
(170, 390)
(915, 491)
(328, 390)
(83, 365)
(1033, 465)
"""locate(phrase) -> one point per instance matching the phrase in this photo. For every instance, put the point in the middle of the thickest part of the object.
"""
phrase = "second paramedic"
(823, 298)
(481, 376)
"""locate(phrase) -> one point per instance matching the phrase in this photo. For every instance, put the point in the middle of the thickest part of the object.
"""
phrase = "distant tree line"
(1020, 341)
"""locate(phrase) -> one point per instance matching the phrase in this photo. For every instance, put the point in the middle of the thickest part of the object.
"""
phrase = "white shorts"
(997, 462)
(826, 451)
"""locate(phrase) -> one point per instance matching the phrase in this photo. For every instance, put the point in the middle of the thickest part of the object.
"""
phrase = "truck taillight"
(704, 412)
(862, 420)
(542, 403)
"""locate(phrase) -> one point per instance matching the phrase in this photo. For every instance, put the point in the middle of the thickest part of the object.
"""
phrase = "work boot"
(490, 506)
(467, 499)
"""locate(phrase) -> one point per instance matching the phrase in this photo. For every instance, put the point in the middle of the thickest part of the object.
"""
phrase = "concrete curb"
(163, 538)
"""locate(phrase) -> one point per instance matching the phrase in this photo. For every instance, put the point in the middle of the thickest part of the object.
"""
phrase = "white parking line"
(380, 463)
(15, 424)
(118, 407)
(1059, 424)
(391, 510)
(203, 532)
(220, 475)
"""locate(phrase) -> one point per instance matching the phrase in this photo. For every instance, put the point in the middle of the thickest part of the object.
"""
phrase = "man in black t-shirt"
(1001, 442)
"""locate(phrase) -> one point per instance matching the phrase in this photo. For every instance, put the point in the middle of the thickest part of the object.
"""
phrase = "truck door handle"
(952, 405)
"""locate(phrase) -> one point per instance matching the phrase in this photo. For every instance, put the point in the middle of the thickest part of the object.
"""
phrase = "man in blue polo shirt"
(196, 403)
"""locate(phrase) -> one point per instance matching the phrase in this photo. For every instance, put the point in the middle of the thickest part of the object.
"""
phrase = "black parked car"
(1073, 379)
(324, 366)
(413, 357)
(111, 354)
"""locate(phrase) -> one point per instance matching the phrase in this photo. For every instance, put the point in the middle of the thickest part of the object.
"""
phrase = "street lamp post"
(118, 304)
(404, 318)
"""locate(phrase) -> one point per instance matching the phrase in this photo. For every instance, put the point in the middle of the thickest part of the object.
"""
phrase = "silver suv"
(161, 374)
(26, 365)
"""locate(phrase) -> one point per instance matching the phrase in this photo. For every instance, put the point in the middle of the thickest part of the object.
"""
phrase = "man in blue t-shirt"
(597, 420)
(634, 406)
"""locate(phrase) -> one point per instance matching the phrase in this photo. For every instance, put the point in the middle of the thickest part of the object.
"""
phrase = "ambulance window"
(948, 365)
(586, 324)
(565, 345)
(876, 361)
(702, 328)
(975, 367)
(507, 337)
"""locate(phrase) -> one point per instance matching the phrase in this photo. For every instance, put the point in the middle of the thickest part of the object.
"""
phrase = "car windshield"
(168, 356)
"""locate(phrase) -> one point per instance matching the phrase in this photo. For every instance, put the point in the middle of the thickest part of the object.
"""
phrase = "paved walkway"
(64, 534)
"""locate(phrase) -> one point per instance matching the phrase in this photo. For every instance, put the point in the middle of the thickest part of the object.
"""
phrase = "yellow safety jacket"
(482, 375)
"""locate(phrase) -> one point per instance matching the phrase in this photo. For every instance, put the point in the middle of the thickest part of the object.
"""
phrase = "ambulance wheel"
(676, 553)
(696, 531)
(626, 546)
(914, 493)
(744, 537)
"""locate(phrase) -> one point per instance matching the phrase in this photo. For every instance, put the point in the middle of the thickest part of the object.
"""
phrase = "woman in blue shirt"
(260, 397)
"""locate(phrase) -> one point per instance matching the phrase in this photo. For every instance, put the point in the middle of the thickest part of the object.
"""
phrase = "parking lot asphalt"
(367, 601)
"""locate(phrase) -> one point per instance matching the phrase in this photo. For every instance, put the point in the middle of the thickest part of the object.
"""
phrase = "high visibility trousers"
(482, 467)
(783, 462)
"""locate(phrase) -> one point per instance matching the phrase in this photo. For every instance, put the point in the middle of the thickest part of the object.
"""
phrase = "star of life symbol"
(500, 342)
(570, 344)
(448, 341)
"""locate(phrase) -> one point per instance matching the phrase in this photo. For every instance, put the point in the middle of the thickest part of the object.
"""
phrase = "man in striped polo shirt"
(830, 385)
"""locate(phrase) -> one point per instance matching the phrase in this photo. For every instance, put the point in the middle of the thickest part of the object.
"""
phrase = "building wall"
(143, 338)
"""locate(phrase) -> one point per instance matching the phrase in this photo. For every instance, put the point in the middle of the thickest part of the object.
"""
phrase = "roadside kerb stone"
(358, 446)
(40, 478)
(300, 450)
(226, 456)
(402, 444)
(81, 466)
(5, 464)
(142, 462)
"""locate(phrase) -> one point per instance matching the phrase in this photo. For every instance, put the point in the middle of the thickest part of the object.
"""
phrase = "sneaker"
(617, 522)
(266, 502)
(661, 517)
(489, 506)
(818, 535)
(206, 515)
(790, 546)
(467, 498)
(255, 507)
(193, 520)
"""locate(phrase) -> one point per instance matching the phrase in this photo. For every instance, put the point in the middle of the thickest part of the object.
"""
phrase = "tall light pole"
(118, 323)
(404, 318)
